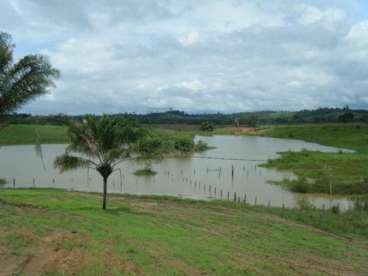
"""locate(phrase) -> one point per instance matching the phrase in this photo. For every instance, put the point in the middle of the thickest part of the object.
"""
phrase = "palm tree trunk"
(104, 193)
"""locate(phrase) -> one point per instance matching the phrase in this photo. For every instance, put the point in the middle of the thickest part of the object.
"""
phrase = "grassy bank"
(343, 173)
(351, 136)
(174, 142)
(30, 134)
(54, 232)
(318, 172)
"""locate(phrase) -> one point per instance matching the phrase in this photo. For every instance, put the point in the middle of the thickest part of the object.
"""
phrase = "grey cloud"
(118, 56)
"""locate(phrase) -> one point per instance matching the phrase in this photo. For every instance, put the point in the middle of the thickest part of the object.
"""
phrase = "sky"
(194, 55)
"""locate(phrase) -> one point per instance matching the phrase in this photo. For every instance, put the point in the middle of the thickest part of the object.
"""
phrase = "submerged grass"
(54, 232)
(145, 172)
(318, 172)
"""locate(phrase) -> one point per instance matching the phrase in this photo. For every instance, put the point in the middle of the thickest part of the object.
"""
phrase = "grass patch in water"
(346, 172)
(145, 172)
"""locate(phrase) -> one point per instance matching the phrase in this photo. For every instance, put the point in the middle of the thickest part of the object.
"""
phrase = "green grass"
(28, 134)
(145, 172)
(52, 232)
(346, 172)
(352, 136)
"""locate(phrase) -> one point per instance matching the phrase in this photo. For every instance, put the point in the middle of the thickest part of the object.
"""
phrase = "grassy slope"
(27, 134)
(352, 136)
(346, 172)
(56, 232)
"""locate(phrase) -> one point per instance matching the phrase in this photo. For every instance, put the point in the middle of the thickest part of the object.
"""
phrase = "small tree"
(149, 148)
(251, 121)
(207, 126)
(347, 116)
(100, 144)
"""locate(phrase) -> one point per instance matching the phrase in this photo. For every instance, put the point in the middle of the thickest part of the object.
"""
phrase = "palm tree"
(100, 144)
(24, 80)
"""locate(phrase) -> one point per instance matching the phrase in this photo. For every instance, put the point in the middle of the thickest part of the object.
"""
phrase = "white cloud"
(189, 39)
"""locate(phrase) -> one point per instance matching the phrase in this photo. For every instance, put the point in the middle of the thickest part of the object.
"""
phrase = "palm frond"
(23, 81)
(68, 162)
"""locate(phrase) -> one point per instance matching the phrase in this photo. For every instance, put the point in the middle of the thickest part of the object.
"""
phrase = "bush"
(299, 186)
(201, 146)
(207, 126)
(336, 209)
(184, 144)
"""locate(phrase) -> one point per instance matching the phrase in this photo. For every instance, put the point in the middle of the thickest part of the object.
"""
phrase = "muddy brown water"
(231, 167)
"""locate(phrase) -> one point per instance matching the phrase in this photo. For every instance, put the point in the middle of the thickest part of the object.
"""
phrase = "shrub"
(184, 144)
(207, 126)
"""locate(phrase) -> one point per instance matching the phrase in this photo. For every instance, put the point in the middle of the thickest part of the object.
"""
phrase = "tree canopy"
(23, 80)
(100, 144)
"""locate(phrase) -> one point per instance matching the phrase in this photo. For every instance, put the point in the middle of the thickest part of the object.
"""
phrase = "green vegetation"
(176, 142)
(249, 119)
(2, 181)
(30, 134)
(24, 80)
(339, 173)
(347, 172)
(352, 136)
(101, 144)
(172, 139)
(207, 126)
(52, 232)
(145, 172)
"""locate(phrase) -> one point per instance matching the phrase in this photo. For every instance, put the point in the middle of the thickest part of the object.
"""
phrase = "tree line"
(251, 119)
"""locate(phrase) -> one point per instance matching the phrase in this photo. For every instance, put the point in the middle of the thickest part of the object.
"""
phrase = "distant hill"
(321, 115)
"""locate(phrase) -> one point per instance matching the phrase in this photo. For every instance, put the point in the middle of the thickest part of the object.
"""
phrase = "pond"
(231, 167)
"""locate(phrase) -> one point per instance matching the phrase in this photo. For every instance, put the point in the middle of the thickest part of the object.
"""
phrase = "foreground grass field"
(52, 232)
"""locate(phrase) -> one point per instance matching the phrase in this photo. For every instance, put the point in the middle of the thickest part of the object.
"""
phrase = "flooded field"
(229, 170)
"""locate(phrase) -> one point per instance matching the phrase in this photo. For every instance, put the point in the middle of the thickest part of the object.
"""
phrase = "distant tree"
(347, 116)
(207, 126)
(237, 122)
(100, 144)
(251, 121)
(24, 80)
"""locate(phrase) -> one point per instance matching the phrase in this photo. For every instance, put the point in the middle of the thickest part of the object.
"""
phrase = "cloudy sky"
(195, 55)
